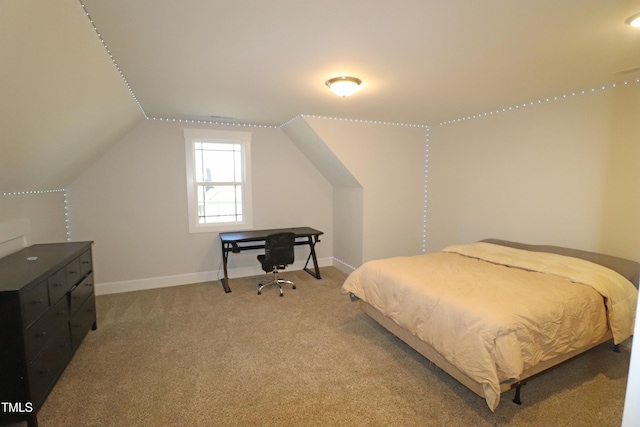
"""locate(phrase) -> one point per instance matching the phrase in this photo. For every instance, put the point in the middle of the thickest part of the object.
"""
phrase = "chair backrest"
(279, 249)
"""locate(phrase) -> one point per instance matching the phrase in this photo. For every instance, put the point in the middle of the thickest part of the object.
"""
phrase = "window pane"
(218, 166)
(197, 162)
(219, 203)
(238, 166)
(218, 162)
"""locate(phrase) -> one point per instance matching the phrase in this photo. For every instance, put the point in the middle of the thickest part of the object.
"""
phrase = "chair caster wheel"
(293, 287)
(259, 293)
(281, 295)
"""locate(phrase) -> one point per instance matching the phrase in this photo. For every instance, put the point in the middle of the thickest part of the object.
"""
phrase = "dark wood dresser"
(47, 306)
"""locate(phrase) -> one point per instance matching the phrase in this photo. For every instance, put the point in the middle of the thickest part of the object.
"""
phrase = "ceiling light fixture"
(634, 20)
(344, 86)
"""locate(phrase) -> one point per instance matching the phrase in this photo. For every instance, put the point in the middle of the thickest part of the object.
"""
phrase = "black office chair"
(278, 253)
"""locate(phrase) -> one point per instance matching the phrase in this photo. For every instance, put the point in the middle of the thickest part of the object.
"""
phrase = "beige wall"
(561, 172)
(44, 213)
(132, 202)
(348, 239)
(388, 162)
(620, 221)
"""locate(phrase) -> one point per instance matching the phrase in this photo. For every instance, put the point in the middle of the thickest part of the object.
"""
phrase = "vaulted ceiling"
(62, 102)
(66, 65)
(421, 61)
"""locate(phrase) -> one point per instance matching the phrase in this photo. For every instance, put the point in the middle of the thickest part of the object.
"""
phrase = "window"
(218, 179)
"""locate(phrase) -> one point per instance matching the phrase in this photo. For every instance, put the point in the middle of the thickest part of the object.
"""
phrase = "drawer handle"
(41, 334)
(86, 262)
(44, 371)
(73, 272)
(88, 284)
(56, 285)
(37, 301)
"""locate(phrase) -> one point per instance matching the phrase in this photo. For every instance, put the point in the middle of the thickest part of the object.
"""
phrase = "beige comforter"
(494, 311)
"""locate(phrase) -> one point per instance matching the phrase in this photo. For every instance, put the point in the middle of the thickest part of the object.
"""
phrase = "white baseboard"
(186, 279)
(343, 266)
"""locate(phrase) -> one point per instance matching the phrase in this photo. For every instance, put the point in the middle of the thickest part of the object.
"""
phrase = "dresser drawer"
(73, 272)
(80, 293)
(45, 369)
(82, 321)
(37, 335)
(86, 263)
(34, 303)
(58, 286)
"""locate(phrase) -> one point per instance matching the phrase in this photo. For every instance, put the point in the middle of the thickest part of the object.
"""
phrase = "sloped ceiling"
(62, 101)
(421, 61)
(322, 157)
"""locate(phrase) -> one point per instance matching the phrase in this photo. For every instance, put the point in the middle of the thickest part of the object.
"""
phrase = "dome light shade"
(344, 86)
(634, 20)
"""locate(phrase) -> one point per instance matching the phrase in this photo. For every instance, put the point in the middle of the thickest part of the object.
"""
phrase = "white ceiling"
(63, 103)
(421, 61)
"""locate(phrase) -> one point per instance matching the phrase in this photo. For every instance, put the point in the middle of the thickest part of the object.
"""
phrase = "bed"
(494, 313)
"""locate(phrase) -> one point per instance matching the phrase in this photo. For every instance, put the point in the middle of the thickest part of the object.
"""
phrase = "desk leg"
(312, 254)
(225, 279)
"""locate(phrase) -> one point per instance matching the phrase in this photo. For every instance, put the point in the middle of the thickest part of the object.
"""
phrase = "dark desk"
(237, 241)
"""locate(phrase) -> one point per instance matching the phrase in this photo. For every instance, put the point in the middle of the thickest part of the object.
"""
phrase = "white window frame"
(191, 136)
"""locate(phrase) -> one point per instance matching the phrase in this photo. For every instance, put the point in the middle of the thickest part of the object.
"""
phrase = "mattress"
(495, 312)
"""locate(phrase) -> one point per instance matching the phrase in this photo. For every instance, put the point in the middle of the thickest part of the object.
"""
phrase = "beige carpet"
(195, 356)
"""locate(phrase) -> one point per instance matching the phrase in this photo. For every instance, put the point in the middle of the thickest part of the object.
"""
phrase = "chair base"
(275, 281)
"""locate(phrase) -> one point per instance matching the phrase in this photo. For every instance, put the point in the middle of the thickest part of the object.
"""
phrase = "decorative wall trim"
(209, 122)
(541, 101)
(341, 119)
(115, 64)
(189, 278)
(424, 194)
(23, 193)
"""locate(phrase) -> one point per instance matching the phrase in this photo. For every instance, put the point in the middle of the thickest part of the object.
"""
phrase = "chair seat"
(278, 254)
(269, 268)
